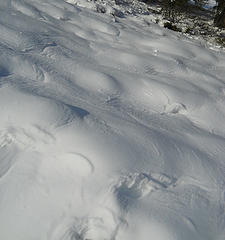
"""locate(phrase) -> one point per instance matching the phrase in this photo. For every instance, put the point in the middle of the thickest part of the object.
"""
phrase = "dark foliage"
(173, 8)
(172, 27)
(219, 19)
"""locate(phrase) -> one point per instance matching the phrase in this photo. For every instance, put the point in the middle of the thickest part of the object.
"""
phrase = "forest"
(172, 9)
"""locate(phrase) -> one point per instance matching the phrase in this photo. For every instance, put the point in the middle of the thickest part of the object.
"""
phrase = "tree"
(172, 9)
(219, 19)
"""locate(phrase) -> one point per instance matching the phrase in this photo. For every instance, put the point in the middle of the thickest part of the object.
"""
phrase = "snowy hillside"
(111, 127)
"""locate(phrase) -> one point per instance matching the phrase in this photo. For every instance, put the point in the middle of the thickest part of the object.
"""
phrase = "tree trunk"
(219, 20)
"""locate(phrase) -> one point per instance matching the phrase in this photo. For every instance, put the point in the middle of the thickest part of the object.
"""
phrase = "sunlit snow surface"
(110, 129)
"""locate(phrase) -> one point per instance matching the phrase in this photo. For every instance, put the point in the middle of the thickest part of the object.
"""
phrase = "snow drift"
(110, 128)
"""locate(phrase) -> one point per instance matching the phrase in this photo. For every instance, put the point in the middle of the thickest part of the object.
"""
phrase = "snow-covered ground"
(110, 128)
(210, 4)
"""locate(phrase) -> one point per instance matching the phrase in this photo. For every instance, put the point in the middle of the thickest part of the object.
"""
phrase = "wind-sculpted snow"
(111, 127)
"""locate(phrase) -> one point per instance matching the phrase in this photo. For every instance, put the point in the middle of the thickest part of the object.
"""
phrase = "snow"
(210, 4)
(207, 5)
(111, 127)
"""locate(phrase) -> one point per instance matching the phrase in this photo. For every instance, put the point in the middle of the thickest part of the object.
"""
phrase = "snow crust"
(111, 127)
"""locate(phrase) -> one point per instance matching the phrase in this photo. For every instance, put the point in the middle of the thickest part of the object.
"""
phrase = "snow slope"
(111, 128)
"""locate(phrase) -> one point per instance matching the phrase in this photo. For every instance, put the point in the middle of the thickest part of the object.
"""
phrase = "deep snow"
(111, 128)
